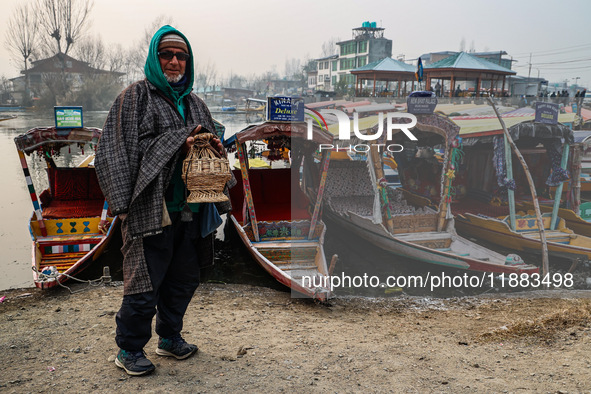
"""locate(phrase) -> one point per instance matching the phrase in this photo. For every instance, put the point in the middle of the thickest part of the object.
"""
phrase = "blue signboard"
(546, 113)
(285, 109)
(68, 117)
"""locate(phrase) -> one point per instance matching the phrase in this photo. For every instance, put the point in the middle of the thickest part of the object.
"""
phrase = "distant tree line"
(40, 29)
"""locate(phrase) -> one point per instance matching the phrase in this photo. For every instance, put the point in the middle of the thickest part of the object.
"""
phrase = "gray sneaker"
(134, 363)
(175, 347)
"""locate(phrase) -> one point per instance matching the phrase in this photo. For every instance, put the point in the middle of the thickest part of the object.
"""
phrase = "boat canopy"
(52, 138)
(275, 129)
(527, 129)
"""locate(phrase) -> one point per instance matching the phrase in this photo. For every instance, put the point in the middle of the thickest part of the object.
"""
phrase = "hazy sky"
(254, 36)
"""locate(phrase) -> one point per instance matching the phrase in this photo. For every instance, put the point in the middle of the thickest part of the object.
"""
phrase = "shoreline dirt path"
(261, 340)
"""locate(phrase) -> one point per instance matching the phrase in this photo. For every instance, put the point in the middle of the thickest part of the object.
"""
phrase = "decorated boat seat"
(528, 222)
(271, 194)
(73, 193)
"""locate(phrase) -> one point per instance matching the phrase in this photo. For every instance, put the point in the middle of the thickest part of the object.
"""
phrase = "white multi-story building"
(366, 46)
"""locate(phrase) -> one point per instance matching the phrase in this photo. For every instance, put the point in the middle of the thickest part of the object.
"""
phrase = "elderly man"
(166, 240)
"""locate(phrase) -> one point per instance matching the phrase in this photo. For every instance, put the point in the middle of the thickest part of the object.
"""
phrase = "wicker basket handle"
(203, 141)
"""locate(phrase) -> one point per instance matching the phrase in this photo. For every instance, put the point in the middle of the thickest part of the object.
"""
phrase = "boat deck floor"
(422, 236)
(69, 238)
(63, 251)
(552, 236)
(284, 245)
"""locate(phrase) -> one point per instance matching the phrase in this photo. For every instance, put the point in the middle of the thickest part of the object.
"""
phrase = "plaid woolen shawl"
(135, 158)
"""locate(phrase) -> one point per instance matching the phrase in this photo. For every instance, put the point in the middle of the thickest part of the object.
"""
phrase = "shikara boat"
(562, 242)
(70, 225)
(404, 222)
(509, 221)
(7, 117)
(255, 105)
(272, 215)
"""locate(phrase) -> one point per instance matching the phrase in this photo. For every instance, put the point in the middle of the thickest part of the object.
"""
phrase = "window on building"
(334, 65)
(347, 64)
(349, 48)
(334, 80)
(361, 61)
(362, 46)
(320, 64)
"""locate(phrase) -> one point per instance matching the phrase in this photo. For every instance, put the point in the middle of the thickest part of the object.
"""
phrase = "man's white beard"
(173, 79)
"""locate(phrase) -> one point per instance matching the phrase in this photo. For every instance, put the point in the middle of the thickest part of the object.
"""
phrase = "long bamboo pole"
(318, 205)
(510, 193)
(545, 264)
(558, 194)
(576, 178)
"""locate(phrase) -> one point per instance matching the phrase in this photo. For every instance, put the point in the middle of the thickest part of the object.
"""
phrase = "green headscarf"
(155, 75)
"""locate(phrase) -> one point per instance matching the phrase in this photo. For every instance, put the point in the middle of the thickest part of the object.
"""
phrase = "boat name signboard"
(546, 113)
(421, 105)
(68, 117)
(285, 109)
(421, 102)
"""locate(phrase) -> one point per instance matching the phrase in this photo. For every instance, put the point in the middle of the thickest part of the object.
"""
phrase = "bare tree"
(463, 45)
(293, 68)
(63, 22)
(4, 89)
(140, 53)
(205, 76)
(117, 59)
(92, 51)
(21, 38)
(236, 81)
(329, 47)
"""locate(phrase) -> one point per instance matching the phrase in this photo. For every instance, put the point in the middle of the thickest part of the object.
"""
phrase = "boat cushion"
(73, 193)
(58, 209)
(74, 183)
(272, 197)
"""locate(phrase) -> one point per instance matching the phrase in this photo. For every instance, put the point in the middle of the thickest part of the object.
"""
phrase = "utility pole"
(529, 73)
(577, 81)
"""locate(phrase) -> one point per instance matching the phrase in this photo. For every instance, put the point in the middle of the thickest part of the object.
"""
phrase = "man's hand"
(215, 142)
(217, 145)
(190, 139)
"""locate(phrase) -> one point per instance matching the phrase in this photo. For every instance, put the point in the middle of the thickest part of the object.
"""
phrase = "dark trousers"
(174, 272)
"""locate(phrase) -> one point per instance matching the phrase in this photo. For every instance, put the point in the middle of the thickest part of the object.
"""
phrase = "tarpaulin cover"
(552, 136)
(47, 138)
(288, 129)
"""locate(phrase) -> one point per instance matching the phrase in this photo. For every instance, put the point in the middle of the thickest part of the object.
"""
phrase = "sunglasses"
(181, 56)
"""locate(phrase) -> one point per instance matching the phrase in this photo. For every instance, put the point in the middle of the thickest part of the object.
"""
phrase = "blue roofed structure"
(464, 66)
(386, 69)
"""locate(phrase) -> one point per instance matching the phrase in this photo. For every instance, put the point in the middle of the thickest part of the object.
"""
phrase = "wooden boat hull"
(283, 271)
(423, 246)
(70, 252)
(498, 232)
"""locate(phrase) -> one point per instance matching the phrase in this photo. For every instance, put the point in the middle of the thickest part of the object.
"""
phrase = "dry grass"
(547, 327)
